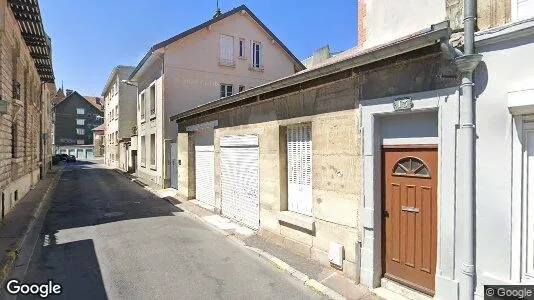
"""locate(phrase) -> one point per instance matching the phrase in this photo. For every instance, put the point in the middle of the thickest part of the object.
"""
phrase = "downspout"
(466, 64)
(42, 158)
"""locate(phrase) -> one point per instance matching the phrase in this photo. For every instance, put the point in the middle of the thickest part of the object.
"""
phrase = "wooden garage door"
(410, 215)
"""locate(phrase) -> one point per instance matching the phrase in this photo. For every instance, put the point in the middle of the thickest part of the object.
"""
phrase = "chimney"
(69, 92)
(97, 99)
(320, 55)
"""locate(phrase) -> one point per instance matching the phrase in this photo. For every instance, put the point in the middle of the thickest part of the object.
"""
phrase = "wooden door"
(410, 215)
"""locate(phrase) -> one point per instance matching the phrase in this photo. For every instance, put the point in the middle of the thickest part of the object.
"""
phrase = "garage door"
(240, 179)
(204, 174)
(89, 154)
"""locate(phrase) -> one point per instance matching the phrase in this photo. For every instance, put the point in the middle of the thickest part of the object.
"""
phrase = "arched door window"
(411, 167)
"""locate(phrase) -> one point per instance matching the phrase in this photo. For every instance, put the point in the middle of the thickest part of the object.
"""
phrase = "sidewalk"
(19, 231)
(323, 279)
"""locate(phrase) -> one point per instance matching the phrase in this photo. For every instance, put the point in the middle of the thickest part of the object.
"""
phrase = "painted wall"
(381, 21)
(193, 74)
(505, 68)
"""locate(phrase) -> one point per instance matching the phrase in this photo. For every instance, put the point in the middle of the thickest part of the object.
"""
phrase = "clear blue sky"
(90, 37)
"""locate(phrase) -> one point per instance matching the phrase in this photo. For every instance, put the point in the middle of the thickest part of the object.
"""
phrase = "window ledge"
(296, 219)
(152, 117)
(153, 167)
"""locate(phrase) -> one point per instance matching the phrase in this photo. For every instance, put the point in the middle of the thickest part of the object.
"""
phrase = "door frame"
(445, 103)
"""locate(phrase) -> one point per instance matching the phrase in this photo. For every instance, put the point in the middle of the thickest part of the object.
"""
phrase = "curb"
(280, 264)
(11, 256)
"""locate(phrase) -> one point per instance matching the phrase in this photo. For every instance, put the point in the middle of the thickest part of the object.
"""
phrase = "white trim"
(445, 103)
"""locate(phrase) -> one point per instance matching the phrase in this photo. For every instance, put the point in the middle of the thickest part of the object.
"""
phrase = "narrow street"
(105, 237)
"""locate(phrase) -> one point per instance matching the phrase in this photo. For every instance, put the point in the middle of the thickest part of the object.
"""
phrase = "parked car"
(63, 157)
(71, 158)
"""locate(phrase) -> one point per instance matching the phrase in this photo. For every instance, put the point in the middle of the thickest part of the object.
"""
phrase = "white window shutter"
(227, 49)
(299, 163)
(525, 9)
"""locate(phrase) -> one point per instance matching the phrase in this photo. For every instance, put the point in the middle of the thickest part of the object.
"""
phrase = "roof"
(127, 70)
(100, 128)
(93, 100)
(28, 15)
(208, 23)
(347, 60)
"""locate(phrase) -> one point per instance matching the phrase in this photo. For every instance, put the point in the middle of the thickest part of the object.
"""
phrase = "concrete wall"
(505, 68)
(382, 21)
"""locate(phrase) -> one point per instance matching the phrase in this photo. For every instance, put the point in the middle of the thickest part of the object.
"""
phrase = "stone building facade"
(24, 87)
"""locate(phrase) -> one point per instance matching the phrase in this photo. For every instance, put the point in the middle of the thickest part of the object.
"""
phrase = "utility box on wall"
(335, 255)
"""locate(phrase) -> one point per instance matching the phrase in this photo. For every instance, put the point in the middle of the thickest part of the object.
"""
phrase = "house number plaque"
(403, 104)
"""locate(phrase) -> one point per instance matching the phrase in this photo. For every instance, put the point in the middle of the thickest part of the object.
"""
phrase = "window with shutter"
(299, 166)
(522, 9)
(226, 50)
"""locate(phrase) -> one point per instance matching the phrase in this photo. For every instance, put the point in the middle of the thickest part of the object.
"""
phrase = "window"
(226, 49)
(116, 137)
(80, 111)
(256, 55)
(80, 131)
(299, 167)
(242, 48)
(152, 96)
(522, 9)
(528, 203)
(410, 167)
(153, 151)
(241, 88)
(80, 122)
(143, 151)
(117, 112)
(142, 106)
(80, 142)
(226, 90)
(14, 139)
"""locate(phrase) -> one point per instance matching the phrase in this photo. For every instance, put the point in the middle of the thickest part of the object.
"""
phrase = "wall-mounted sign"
(404, 103)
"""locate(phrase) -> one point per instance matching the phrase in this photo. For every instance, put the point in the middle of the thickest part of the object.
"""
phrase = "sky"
(90, 37)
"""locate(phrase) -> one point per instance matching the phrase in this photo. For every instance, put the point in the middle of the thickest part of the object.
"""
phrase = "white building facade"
(226, 55)
(119, 115)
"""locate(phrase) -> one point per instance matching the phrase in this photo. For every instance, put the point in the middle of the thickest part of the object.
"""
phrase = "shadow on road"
(86, 196)
(75, 267)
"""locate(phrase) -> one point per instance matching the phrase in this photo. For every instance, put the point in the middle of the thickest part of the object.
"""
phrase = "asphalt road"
(105, 237)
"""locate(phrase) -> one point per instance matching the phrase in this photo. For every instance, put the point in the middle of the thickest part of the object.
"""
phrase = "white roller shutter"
(240, 179)
(204, 174)
(299, 167)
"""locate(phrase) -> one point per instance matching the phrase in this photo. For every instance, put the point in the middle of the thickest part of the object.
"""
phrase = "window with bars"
(299, 167)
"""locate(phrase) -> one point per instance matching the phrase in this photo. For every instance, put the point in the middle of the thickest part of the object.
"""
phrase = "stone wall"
(331, 105)
(20, 127)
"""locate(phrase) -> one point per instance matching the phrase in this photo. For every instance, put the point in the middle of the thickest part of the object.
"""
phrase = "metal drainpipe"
(466, 64)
